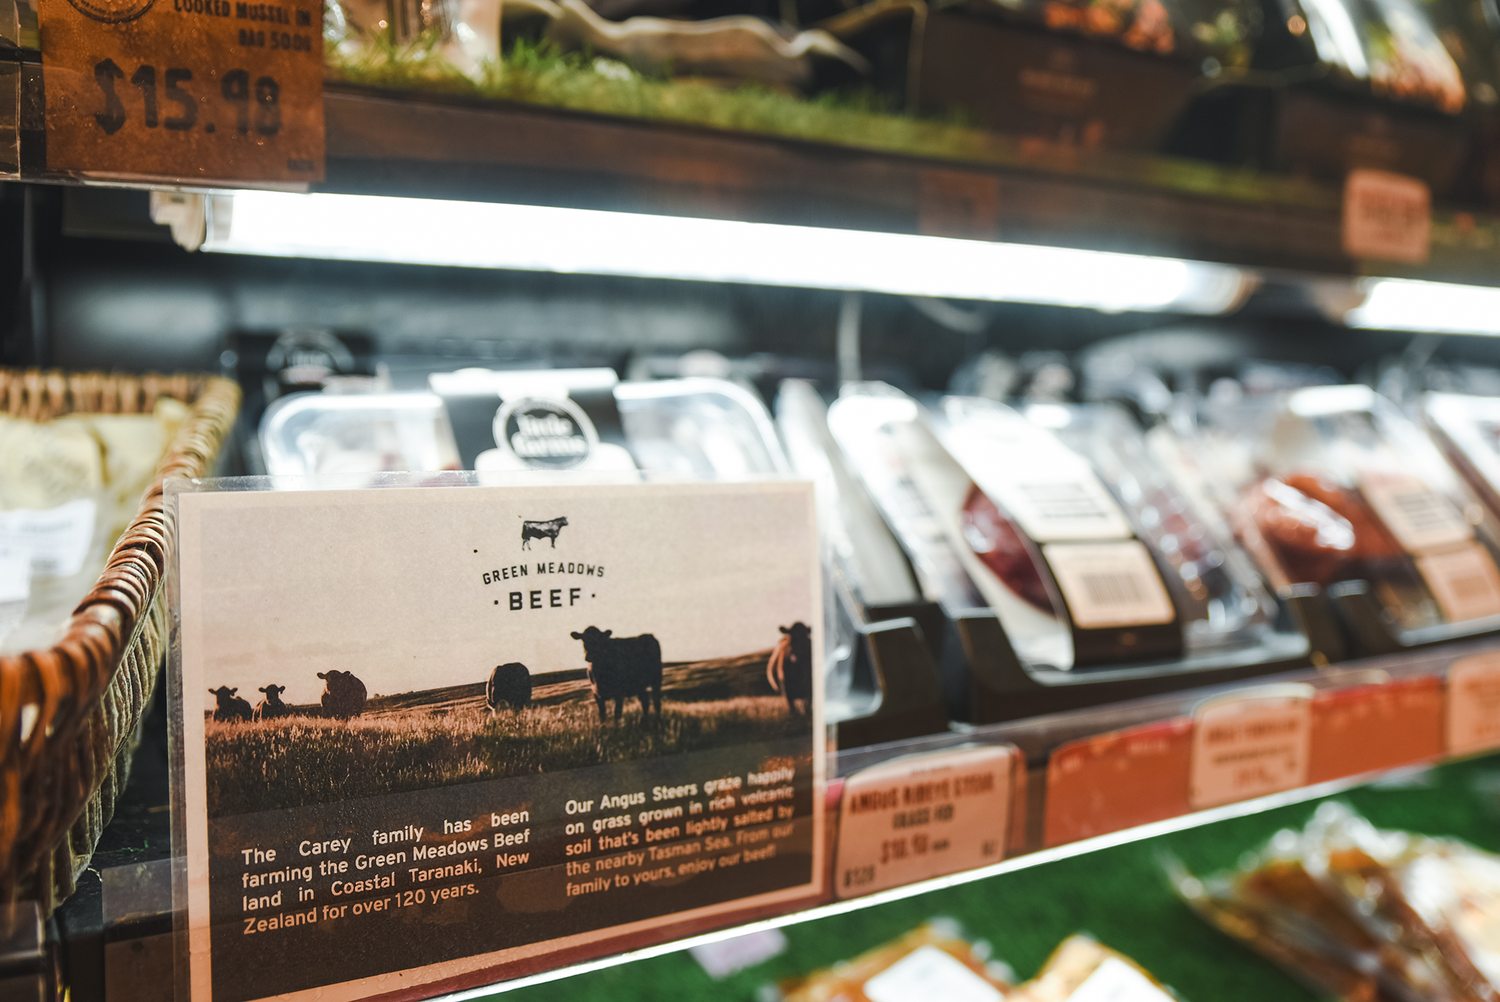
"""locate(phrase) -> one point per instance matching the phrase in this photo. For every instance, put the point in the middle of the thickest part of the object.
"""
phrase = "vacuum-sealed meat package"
(1332, 484)
(1362, 913)
(1059, 521)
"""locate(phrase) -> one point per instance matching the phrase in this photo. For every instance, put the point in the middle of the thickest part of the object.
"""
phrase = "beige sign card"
(1474, 704)
(429, 732)
(922, 817)
(1250, 745)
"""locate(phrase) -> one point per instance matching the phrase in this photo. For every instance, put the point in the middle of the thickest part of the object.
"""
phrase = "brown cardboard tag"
(923, 817)
(184, 90)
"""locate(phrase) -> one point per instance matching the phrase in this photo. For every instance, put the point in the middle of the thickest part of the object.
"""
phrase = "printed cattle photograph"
(471, 659)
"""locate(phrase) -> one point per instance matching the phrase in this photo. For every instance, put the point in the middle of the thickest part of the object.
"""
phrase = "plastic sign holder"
(495, 729)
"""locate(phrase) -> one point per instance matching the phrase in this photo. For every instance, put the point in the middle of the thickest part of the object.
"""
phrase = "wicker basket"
(70, 716)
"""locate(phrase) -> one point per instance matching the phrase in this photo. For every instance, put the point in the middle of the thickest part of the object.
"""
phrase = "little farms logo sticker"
(545, 434)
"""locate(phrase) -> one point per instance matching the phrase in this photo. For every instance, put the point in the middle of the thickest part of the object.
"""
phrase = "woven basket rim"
(64, 682)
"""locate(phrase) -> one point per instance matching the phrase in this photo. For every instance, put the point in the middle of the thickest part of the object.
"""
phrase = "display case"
(1098, 329)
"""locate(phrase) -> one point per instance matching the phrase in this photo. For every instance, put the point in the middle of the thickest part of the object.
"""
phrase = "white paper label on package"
(928, 974)
(1110, 584)
(921, 817)
(1116, 981)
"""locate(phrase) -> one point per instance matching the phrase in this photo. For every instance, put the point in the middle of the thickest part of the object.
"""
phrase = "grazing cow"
(229, 706)
(622, 668)
(509, 684)
(541, 530)
(272, 707)
(789, 669)
(343, 694)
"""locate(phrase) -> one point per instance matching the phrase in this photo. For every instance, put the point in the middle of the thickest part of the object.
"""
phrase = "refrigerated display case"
(927, 261)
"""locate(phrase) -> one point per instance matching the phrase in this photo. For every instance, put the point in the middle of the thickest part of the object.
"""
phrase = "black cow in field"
(509, 684)
(541, 530)
(229, 706)
(343, 694)
(622, 668)
(272, 707)
(790, 667)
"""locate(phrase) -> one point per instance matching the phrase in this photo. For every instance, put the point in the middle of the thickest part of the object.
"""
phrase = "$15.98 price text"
(255, 103)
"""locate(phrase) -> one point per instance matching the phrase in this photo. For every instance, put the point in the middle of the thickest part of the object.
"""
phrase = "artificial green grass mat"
(1117, 894)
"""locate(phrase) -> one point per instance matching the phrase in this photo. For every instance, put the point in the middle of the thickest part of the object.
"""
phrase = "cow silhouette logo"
(545, 433)
(541, 530)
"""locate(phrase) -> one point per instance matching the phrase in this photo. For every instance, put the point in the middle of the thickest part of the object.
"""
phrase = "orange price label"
(923, 817)
(1474, 704)
(1251, 744)
(184, 90)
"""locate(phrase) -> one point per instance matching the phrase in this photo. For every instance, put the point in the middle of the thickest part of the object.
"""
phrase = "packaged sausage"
(934, 961)
(1082, 970)
(1332, 484)
(1362, 913)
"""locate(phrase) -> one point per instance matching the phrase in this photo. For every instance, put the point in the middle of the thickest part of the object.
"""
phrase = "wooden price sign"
(193, 90)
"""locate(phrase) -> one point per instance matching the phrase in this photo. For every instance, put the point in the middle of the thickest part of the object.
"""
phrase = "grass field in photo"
(439, 737)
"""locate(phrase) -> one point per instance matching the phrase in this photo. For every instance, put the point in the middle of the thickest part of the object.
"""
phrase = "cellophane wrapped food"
(1362, 913)
(934, 960)
(1332, 484)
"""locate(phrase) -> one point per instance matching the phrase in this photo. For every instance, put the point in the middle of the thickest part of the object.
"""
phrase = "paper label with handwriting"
(1110, 584)
(490, 723)
(1474, 704)
(922, 817)
(928, 973)
(56, 540)
(1250, 746)
(1116, 981)
(1421, 518)
(1464, 582)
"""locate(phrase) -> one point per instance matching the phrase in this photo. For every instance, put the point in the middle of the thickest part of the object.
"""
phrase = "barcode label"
(1078, 507)
(1113, 590)
(1109, 584)
(1051, 491)
(1464, 582)
(1420, 518)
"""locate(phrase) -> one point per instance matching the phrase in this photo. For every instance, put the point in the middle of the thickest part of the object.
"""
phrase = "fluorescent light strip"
(1400, 304)
(584, 241)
